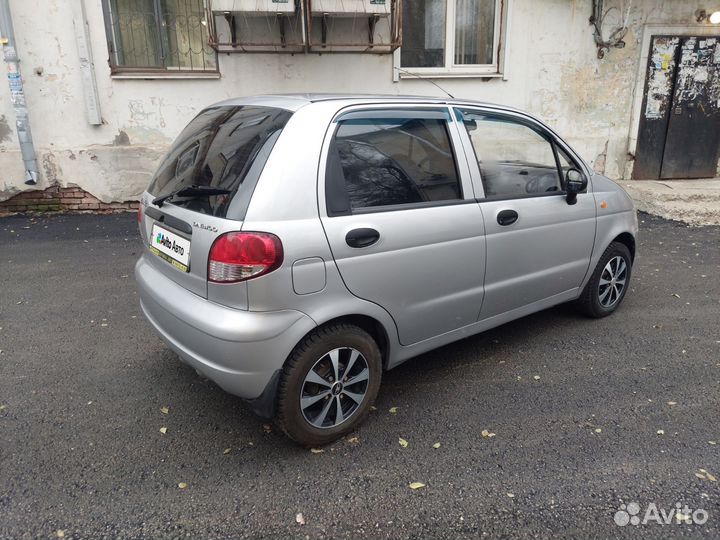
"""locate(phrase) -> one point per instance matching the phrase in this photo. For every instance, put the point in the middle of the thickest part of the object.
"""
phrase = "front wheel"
(608, 285)
(328, 384)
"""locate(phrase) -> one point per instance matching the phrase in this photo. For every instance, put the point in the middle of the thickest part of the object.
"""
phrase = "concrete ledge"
(695, 202)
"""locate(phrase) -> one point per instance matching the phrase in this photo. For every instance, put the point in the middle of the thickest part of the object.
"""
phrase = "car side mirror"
(575, 182)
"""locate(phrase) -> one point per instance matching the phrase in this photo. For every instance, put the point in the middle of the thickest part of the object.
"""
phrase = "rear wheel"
(608, 285)
(328, 384)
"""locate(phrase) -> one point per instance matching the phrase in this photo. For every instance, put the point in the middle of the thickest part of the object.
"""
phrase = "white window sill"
(167, 75)
(448, 74)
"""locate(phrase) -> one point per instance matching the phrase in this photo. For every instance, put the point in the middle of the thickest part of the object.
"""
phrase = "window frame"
(148, 72)
(452, 70)
(541, 129)
(467, 193)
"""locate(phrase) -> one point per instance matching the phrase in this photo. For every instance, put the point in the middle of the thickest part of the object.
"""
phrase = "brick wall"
(58, 199)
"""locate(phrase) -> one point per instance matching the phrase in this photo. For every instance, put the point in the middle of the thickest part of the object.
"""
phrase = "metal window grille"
(158, 36)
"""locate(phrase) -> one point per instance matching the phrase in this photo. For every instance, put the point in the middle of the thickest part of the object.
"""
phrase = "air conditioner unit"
(248, 7)
(350, 7)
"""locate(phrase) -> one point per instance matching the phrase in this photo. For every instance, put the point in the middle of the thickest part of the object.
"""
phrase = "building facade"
(108, 84)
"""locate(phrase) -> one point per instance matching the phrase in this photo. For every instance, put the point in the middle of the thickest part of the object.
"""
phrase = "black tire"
(589, 302)
(316, 348)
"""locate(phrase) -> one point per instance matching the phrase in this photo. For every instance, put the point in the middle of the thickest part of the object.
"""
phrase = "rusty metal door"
(679, 133)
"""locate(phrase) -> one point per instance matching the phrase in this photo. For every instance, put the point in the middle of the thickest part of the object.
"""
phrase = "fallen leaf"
(164, 410)
(700, 475)
(3, 407)
(711, 477)
(373, 408)
(416, 485)
(227, 451)
(671, 403)
(267, 428)
(598, 430)
(403, 442)
(393, 410)
(511, 495)
(60, 533)
(536, 377)
(317, 450)
(487, 434)
(661, 432)
(89, 402)
(163, 430)
(676, 295)
(713, 443)
(353, 440)
(299, 518)
(182, 485)
(436, 445)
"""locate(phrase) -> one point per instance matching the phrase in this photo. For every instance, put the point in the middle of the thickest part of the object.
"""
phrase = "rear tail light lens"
(237, 256)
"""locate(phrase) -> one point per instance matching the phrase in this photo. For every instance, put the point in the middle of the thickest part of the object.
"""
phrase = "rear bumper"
(238, 350)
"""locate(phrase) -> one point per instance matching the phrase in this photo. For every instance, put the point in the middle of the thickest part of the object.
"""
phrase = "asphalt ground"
(587, 415)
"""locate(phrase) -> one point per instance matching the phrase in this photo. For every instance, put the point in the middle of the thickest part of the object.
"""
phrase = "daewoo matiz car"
(296, 246)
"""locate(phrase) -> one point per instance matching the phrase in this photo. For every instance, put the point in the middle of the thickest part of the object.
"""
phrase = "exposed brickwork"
(68, 199)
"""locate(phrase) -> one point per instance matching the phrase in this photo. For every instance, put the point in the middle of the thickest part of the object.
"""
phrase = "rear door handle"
(360, 238)
(507, 217)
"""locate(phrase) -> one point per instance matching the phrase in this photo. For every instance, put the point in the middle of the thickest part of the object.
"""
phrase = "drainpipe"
(17, 94)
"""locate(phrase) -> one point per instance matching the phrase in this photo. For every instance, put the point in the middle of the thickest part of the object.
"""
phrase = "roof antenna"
(425, 79)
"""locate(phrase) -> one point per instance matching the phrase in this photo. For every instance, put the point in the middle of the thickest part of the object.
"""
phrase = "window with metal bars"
(158, 36)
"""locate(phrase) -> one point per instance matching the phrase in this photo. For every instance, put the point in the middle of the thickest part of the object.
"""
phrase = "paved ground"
(83, 380)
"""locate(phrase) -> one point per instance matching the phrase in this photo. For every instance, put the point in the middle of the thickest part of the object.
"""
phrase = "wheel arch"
(629, 241)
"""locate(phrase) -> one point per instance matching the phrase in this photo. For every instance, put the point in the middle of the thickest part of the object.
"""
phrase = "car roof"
(293, 102)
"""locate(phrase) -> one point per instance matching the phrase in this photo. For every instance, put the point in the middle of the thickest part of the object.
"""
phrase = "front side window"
(450, 34)
(379, 160)
(515, 159)
(158, 35)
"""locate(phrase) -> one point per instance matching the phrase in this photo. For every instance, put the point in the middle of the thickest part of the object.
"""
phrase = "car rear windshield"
(223, 147)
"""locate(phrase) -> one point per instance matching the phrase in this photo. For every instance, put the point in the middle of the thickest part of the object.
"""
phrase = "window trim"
(515, 116)
(464, 179)
(147, 72)
(496, 69)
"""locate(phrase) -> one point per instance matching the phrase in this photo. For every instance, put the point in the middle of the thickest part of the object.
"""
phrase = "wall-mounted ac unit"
(350, 7)
(248, 7)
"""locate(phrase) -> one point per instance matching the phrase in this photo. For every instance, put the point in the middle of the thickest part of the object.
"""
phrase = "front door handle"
(507, 217)
(360, 238)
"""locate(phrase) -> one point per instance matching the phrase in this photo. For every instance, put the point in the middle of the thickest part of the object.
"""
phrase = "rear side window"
(223, 147)
(379, 159)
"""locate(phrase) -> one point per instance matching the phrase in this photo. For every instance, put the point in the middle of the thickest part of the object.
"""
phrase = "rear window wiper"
(191, 191)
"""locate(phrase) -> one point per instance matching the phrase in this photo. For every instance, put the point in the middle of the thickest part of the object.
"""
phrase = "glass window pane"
(187, 35)
(423, 33)
(515, 160)
(474, 31)
(135, 33)
(388, 161)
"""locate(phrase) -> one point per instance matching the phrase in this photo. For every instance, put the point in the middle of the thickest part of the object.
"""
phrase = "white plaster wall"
(553, 72)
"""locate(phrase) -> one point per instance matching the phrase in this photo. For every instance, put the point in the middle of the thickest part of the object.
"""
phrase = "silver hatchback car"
(298, 245)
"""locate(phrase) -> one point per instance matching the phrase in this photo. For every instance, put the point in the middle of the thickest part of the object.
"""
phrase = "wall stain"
(5, 129)
(121, 139)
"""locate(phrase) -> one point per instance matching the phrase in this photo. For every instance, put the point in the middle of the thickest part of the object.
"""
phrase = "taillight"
(139, 213)
(237, 256)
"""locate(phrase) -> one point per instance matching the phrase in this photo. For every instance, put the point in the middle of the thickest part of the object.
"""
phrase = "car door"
(399, 212)
(538, 245)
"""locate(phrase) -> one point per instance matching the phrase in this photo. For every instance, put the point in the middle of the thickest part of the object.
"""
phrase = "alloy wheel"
(334, 388)
(612, 282)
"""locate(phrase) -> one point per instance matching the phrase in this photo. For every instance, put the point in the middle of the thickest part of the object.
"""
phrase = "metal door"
(679, 134)
(692, 144)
